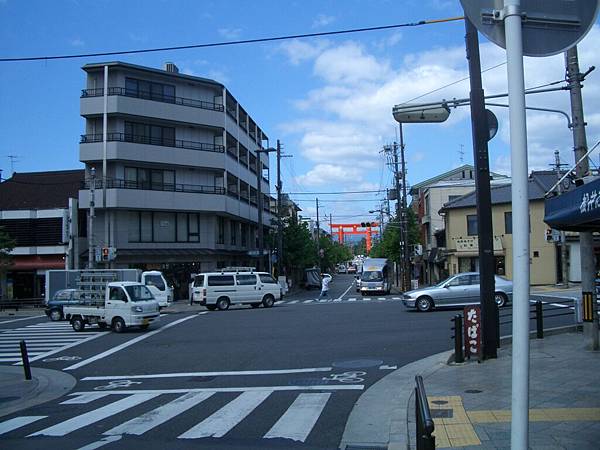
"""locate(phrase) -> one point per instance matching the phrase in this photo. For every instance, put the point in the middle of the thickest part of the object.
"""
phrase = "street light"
(259, 205)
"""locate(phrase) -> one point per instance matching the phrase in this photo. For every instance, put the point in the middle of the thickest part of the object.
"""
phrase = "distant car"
(351, 269)
(457, 290)
(342, 269)
(54, 306)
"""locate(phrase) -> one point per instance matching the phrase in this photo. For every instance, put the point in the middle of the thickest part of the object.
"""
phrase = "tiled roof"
(40, 190)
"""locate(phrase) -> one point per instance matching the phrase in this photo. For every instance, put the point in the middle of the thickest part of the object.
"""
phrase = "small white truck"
(126, 304)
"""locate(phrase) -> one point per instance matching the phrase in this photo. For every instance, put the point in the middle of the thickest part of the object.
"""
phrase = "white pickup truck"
(126, 304)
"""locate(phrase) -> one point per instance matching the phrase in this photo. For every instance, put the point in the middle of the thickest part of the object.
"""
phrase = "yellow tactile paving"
(458, 431)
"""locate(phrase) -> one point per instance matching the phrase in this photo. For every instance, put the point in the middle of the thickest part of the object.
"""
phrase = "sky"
(327, 99)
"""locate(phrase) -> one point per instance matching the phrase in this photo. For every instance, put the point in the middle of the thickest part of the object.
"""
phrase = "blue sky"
(327, 99)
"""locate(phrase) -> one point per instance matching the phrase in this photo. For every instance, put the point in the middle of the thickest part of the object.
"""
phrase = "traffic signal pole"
(480, 135)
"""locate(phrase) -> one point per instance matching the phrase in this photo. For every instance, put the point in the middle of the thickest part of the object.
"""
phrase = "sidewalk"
(471, 402)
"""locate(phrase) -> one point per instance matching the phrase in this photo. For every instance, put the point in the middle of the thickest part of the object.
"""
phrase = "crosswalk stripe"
(279, 302)
(300, 418)
(380, 298)
(11, 354)
(222, 421)
(396, 298)
(352, 299)
(10, 360)
(18, 422)
(308, 301)
(366, 299)
(337, 300)
(160, 415)
(84, 398)
(292, 302)
(94, 416)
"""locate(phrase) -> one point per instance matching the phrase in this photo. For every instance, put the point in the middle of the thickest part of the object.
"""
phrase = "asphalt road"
(285, 377)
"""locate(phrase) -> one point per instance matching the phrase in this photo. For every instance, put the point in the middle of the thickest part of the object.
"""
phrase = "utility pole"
(394, 149)
(104, 163)
(404, 222)
(586, 239)
(563, 238)
(480, 134)
(259, 204)
(318, 237)
(91, 249)
(279, 214)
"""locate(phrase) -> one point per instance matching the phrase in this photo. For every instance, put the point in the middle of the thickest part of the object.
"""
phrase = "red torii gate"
(341, 230)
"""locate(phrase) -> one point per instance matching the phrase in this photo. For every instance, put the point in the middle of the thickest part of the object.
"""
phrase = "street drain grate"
(473, 391)
(442, 413)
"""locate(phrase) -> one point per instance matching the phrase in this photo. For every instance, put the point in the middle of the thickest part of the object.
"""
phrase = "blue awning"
(576, 210)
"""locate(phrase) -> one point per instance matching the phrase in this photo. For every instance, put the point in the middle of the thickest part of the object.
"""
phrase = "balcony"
(177, 143)
(112, 183)
(154, 97)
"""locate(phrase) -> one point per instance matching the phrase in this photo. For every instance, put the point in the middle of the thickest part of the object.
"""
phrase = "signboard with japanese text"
(575, 210)
(472, 331)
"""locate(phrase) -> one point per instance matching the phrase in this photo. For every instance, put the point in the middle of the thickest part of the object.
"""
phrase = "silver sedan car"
(458, 290)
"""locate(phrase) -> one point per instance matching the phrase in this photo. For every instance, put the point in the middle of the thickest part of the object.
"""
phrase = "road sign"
(492, 122)
(549, 26)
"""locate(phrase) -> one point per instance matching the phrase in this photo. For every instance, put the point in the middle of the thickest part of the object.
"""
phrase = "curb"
(379, 418)
(45, 385)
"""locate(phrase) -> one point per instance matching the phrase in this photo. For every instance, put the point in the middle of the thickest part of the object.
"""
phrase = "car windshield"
(441, 283)
(139, 293)
(372, 275)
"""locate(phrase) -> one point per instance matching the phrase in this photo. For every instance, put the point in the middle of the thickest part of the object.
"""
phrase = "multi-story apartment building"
(182, 170)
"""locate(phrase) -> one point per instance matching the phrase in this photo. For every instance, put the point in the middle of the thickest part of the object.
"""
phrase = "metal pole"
(520, 224)
(404, 223)
(25, 359)
(91, 249)
(399, 207)
(586, 239)
(318, 237)
(259, 262)
(563, 235)
(104, 164)
(480, 134)
(279, 214)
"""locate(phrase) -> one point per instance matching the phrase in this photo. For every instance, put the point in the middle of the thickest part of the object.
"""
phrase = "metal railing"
(154, 97)
(112, 183)
(425, 426)
(147, 140)
(21, 303)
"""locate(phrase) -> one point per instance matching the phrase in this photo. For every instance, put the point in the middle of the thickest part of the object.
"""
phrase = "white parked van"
(222, 289)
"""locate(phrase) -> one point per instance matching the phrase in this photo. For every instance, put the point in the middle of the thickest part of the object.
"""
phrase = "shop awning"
(576, 210)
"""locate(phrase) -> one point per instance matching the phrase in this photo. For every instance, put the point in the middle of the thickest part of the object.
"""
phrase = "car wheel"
(268, 301)
(255, 305)
(56, 315)
(211, 307)
(424, 304)
(118, 325)
(223, 303)
(78, 324)
(500, 299)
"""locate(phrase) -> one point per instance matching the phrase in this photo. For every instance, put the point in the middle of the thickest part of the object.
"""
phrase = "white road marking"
(559, 305)
(337, 300)
(325, 387)
(84, 398)
(279, 302)
(13, 354)
(209, 374)
(160, 415)
(300, 418)
(380, 298)
(101, 442)
(203, 312)
(308, 301)
(23, 318)
(385, 367)
(292, 302)
(346, 291)
(222, 421)
(396, 298)
(18, 422)
(65, 347)
(83, 420)
(353, 299)
(366, 299)
(102, 355)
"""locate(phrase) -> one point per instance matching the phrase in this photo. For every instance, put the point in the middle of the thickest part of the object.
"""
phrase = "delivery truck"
(376, 276)
(125, 304)
(91, 283)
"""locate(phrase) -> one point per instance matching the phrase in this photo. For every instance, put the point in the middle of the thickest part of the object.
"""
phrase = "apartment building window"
(244, 233)
(508, 222)
(156, 226)
(233, 232)
(220, 230)
(472, 225)
(149, 134)
(154, 179)
(149, 90)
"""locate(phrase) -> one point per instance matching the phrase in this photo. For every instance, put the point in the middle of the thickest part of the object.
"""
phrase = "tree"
(389, 246)
(299, 250)
(7, 244)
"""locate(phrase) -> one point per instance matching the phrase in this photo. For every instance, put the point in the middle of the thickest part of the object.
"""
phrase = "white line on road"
(396, 298)
(18, 422)
(84, 398)
(366, 299)
(346, 291)
(101, 442)
(337, 300)
(300, 418)
(23, 318)
(65, 347)
(385, 367)
(220, 422)
(85, 362)
(210, 374)
(381, 298)
(83, 420)
(292, 302)
(308, 301)
(324, 387)
(352, 299)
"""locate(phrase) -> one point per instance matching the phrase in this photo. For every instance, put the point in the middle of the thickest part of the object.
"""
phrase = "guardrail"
(21, 303)
(425, 426)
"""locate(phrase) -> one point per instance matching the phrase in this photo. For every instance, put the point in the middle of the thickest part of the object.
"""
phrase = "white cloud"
(77, 42)
(230, 33)
(322, 20)
(329, 174)
(299, 51)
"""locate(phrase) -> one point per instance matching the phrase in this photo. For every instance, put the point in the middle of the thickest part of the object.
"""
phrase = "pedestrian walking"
(325, 286)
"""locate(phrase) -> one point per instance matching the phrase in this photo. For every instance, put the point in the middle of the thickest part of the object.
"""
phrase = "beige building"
(460, 218)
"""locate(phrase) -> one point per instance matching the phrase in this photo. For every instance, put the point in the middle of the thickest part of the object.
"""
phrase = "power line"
(238, 42)
(337, 193)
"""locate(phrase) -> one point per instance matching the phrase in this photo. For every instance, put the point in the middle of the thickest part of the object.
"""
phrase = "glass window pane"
(157, 91)
(156, 135)
(182, 227)
(133, 227)
(168, 136)
(144, 89)
(131, 87)
(220, 280)
(246, 280)
(164, 227)
(157, 180)
(194, 231)
(169, 93)
(508, 222)
(146, 227)
(267, 279)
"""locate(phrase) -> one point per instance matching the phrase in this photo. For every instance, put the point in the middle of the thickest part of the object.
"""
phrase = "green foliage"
(389, 246)
(299, 250)
(333, 253)
(7, 244)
